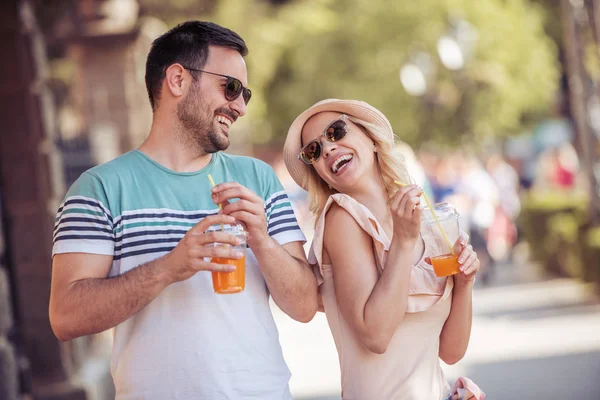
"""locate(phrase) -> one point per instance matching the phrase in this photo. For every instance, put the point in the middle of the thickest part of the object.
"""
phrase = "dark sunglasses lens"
(336, 131)
(311, 152)
(233, 89)
(247, 93)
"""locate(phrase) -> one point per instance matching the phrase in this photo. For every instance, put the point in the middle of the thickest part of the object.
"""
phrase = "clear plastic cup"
(443, 261)
(235, 281)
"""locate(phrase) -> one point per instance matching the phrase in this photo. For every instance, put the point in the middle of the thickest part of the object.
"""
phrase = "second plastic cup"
(443, 261)
(235, 281)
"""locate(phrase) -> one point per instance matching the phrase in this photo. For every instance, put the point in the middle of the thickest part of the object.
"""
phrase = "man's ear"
(175, 81)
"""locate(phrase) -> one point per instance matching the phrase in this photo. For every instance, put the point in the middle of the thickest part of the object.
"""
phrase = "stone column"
(25, 181)
(8, 366)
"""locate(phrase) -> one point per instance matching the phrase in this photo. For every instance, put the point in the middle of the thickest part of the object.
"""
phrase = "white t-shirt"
(188, 343)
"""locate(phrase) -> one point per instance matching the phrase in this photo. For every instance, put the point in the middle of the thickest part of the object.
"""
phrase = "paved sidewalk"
(532, 338)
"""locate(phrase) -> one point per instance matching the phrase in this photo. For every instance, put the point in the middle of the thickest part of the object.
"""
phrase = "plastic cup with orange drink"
(439, 228)
(438, 234)
(235, 281)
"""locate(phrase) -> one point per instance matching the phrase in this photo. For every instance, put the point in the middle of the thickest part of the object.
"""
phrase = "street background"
(496, 109)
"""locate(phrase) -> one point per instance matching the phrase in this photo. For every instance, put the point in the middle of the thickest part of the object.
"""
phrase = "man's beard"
(198, 123)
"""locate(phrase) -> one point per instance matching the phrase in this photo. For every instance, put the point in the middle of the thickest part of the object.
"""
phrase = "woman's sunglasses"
(335, 131)
(233, 86)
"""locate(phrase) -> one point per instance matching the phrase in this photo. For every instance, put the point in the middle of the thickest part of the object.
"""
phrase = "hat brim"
(353, 108)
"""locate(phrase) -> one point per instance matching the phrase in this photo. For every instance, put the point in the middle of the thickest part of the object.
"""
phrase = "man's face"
(204, 112)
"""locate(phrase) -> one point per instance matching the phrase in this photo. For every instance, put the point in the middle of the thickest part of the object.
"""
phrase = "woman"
(391, 318)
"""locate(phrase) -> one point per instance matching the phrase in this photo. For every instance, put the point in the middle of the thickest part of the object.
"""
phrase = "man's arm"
(289, 278)
(287, 273)
(84, 301)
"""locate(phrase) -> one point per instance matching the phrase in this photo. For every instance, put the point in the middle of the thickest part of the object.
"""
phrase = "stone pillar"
(25, 181)
(8, 366)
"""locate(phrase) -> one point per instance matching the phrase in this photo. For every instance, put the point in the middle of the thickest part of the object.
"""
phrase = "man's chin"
(217, 145)
(223, 147)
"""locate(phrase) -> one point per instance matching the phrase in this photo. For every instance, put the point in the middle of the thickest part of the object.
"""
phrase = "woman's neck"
(373, 195)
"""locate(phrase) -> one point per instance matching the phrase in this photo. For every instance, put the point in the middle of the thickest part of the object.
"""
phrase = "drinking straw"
(212, 183)
(434, 216)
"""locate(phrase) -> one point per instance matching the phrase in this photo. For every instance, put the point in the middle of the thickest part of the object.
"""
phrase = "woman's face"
(345, 162)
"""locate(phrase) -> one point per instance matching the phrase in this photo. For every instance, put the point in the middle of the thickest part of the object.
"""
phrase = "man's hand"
(187, 257)
(249, 209)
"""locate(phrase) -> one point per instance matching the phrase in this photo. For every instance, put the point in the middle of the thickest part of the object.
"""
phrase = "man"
(130, 240)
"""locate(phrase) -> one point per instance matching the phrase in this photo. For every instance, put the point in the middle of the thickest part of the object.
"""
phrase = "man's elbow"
(59, 331)
(60, 327)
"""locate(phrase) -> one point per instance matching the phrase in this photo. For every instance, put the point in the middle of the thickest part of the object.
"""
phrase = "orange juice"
(445, 265)
(230, 282)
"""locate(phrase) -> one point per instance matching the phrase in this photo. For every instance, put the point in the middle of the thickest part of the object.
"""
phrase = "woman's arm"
(373, 306)
(456, 333)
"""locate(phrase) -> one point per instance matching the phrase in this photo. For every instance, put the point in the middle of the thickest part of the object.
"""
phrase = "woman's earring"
(329, 186)
(374, 148)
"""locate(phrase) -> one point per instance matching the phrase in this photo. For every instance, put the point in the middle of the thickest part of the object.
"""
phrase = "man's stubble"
(198, 123)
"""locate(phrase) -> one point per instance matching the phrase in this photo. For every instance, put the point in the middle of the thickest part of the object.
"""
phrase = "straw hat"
(353, 108)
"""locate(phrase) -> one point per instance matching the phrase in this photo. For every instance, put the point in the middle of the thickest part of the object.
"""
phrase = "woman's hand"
(468, 260)
(406, 214)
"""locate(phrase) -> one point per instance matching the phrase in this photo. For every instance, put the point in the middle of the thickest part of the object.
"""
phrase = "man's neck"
(164, 145)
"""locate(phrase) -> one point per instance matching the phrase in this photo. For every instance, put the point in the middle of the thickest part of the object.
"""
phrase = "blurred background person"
(502, 233)
(476, 197)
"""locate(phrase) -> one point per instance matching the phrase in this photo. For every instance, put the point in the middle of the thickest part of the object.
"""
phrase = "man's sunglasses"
(335, 131)
(233, 86)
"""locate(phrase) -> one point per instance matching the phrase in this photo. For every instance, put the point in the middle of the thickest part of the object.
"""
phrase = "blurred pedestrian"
(477, 198)
(502, 233)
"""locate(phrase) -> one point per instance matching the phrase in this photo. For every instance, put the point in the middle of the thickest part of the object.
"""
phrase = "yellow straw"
(212, 183)
(434, 216)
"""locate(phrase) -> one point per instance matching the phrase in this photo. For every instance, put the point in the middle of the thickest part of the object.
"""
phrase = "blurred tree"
(305, 51)
(170, 10)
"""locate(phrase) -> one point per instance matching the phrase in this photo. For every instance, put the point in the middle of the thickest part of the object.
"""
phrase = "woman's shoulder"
(342, 226)
(340, 216)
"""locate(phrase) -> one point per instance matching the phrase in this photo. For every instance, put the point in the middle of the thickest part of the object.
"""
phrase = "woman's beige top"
(410, 368)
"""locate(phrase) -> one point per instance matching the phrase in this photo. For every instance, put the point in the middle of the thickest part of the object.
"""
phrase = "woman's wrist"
(463, 284)
(404, 245)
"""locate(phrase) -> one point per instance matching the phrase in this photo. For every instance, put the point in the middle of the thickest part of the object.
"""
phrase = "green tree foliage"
(304, 51)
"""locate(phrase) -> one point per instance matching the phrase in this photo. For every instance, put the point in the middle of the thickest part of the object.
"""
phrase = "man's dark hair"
(187, 44)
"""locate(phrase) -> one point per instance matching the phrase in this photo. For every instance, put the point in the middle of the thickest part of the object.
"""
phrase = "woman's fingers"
(460, 243)
(409, 201)
(471, 264)
(398, 197)
(411, 204)
(463, 254)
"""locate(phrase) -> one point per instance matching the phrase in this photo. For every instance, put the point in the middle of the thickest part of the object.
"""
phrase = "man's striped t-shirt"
(189, 342)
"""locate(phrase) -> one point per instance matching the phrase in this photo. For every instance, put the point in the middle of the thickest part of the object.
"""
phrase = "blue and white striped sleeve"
(83, 222)
(282, 224)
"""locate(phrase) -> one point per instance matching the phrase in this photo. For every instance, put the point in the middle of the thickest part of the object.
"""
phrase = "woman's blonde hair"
(390, 166)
